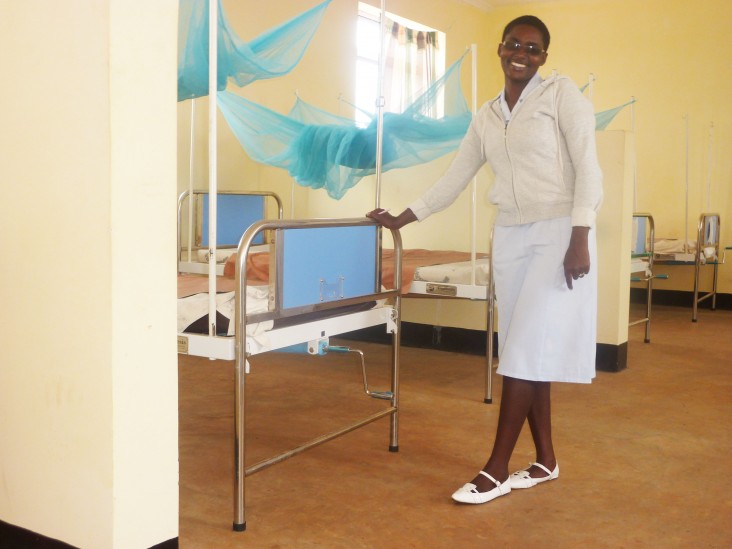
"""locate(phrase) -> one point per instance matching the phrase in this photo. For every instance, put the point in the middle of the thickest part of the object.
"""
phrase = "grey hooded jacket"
(544, 159)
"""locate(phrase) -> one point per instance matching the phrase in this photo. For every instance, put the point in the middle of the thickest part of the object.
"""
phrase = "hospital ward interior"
(207, 344)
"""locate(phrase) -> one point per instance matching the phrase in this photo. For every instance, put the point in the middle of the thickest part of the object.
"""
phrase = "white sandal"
(469, 492)
(522, 479)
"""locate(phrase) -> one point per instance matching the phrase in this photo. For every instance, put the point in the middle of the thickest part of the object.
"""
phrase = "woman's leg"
(540, 422)
(517, 400)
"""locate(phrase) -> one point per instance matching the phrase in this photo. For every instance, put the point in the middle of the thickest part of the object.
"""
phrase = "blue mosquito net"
(271, 54)
(603, 119)
(323, 150)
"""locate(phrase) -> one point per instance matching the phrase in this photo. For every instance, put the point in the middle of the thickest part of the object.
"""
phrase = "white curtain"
(410, 64)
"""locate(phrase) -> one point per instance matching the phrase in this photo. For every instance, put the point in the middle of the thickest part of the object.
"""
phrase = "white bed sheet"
(193, 307)
(678, 249)
(222, 255)
(640, 265)
(455, 273)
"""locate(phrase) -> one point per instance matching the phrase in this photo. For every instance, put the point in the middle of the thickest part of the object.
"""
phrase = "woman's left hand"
(577, 258)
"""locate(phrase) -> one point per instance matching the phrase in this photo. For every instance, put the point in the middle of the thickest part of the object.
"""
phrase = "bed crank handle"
(383, 395)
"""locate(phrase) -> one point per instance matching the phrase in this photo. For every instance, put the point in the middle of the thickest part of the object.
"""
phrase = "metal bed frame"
(201, 268)
(316, 334)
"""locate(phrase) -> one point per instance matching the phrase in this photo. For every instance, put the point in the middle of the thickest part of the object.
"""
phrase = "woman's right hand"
(385, 219)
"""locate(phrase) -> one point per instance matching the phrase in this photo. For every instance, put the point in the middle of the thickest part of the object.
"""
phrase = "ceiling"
(487, 5)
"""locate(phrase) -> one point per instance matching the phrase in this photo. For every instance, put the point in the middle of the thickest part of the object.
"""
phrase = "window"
(414, 57)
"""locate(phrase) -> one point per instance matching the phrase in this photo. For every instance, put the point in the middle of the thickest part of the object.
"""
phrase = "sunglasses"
(529, 49)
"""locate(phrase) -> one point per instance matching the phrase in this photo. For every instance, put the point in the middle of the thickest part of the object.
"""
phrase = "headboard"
(234, 214)
(326, 264)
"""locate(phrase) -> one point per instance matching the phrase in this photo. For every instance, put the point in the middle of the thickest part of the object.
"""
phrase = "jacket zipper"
(510, 163)
(508, 152)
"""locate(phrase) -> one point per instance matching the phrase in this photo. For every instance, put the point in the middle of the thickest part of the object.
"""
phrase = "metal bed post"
(649, 286)
(395, 340)
(488, 399)
(700, 244)
(240, 523)
(715, 271)
(648, 251)
(181, 198)
(697, 269)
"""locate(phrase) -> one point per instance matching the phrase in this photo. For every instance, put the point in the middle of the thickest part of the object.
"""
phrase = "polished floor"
(645, 454)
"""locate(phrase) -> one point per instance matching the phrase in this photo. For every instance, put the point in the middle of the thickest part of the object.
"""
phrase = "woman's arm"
(577, 125)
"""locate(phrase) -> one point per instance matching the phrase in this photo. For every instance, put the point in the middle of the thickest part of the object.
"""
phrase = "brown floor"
(645, 454)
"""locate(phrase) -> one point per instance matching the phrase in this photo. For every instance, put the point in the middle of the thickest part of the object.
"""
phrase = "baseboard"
(678, 298)
(169, 544)
(424, 336)
(610, 358)
(15, 537)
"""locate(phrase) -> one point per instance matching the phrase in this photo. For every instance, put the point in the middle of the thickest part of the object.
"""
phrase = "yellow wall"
(88, 370)
(663, 53)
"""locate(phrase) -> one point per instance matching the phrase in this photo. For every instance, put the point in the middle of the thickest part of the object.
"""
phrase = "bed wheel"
(240, 527)
(393, 448)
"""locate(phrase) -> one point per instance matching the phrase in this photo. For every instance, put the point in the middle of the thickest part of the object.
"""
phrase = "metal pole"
(212, 144)
(474, 184)
(686, 180)
(591, 90)
(635, 155)
(710, 167)
(490, 303)
(380, 104)
(191, 154)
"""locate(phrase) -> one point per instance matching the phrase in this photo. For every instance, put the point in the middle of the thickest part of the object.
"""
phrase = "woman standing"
(538, 136)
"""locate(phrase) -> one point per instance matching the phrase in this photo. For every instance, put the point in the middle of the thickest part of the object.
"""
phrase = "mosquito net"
(603, 118)
(319, 149)
(271, 54)
(323, 150)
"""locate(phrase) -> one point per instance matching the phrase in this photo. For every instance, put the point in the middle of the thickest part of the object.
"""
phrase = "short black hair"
(531, 21)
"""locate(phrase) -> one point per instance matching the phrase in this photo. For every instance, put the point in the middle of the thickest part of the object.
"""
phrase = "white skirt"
(546, 332)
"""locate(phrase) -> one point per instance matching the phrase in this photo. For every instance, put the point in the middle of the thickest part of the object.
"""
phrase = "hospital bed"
(424, 274)
(236, 211)
(323, 281)
(702, 253)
